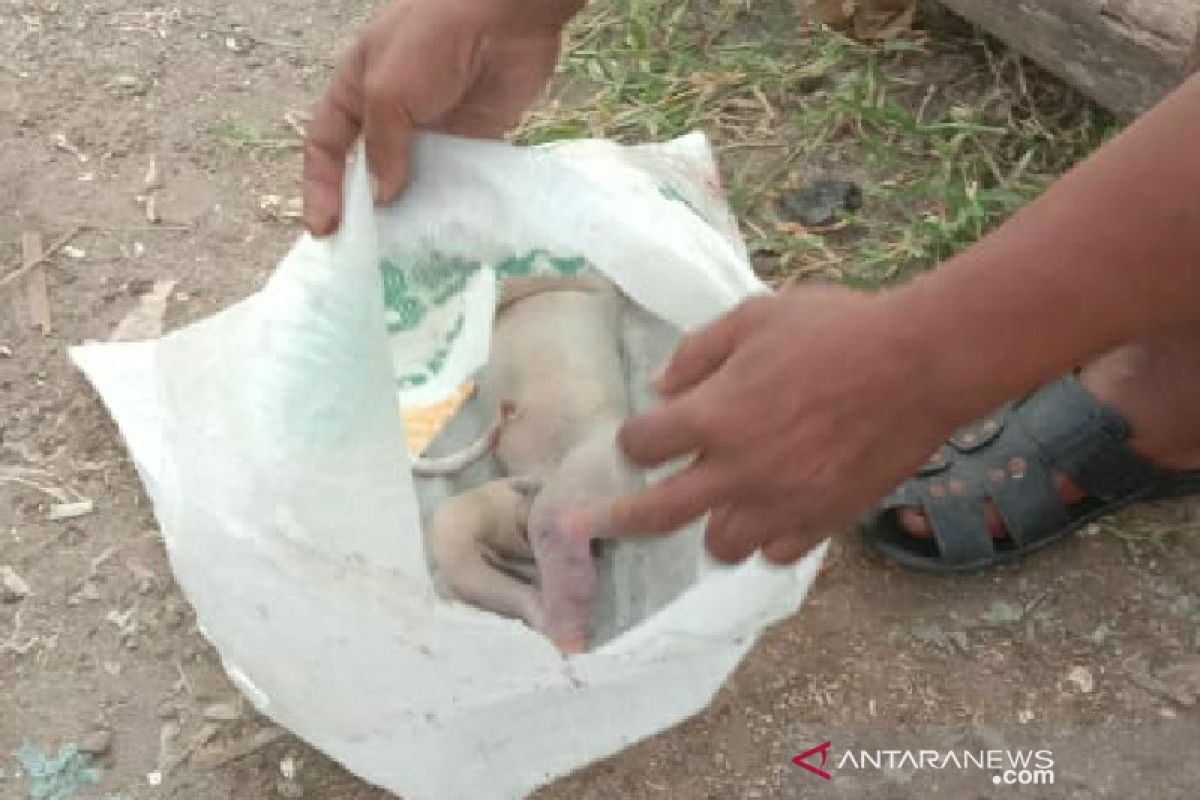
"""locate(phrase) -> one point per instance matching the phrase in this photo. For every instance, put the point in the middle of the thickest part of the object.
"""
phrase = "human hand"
(466, 67)
(801, 409)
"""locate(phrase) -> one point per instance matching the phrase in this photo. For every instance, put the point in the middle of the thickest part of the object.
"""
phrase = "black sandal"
(1010, 458)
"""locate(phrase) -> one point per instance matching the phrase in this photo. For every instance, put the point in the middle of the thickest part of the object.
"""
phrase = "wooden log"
(1124, 54)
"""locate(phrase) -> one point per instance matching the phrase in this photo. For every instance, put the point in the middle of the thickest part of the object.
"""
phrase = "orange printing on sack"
(422, 424)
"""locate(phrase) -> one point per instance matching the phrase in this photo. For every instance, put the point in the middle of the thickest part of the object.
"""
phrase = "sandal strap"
(1086, 441)
(1011, 458)
(1024, 494)
(960, 527)
(956, 519)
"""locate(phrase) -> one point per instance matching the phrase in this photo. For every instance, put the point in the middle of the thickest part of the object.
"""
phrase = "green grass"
(244, 135)
(940, 183)
(939, 167)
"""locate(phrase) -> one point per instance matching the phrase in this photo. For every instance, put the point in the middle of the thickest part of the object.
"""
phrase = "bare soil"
(1103, 630)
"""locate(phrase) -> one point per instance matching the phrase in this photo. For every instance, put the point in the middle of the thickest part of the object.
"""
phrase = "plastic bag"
(269, 439)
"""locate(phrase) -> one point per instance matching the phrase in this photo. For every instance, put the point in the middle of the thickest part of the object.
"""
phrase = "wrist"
(923, 371)
(521, 15)
(983, 333)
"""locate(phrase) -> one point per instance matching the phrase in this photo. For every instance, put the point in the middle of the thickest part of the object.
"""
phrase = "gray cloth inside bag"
(637, 576)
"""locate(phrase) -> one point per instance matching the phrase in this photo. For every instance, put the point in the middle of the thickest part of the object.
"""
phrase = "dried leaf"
(12, 586)
(61, 511)
(868, 20)
(1183, 679)
(153, 179)
(834, 13)
(152, 215)
(877, 20)
(218, 757)
(1001, 612)
(223, 712)
(96, 743)
(145, 321)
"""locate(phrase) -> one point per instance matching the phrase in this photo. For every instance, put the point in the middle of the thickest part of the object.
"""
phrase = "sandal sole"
(930, 566)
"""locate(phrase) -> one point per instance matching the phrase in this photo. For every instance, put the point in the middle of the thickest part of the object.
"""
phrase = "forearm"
(1109, 254)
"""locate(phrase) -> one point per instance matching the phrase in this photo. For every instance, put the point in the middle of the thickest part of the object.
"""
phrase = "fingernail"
(321, 224)
(572, 645)
(660, 377)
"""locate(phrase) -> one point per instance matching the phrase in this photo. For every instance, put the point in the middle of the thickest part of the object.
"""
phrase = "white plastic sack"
(270, 441)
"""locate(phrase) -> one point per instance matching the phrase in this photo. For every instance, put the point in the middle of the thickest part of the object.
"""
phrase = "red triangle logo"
(823, 749)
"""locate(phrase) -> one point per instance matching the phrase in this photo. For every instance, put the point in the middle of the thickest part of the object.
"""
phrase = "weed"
(243, 135)
(948, 133)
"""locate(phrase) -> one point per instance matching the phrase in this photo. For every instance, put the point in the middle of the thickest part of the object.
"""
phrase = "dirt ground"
(103, 651)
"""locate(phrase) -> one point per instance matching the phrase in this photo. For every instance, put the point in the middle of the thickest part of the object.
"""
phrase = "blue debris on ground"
(58, 777)
(820, 203)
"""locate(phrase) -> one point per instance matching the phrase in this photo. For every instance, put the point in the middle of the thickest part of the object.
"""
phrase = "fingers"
(667, 432)
(387, 134)
(572, 645)
(671, 503)
(330, 136)
(678, 427)
(788, 549)
(420, 73)
(699, 354)
(404, 70)
(735, 531)
(498, 98)
(417, 65)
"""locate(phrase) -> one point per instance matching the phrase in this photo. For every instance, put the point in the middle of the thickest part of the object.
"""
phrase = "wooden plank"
(1125, 54)
(37, 291)
(19, 315)
(17, 273)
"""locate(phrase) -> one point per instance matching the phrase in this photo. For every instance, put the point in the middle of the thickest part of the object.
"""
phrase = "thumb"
(328, 139)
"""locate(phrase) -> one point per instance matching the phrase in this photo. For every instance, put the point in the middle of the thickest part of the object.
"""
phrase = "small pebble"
(1082, 678)
(97, 743)
(289, 789)
(173, 616)
(13, 587)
